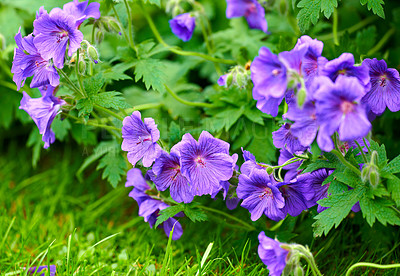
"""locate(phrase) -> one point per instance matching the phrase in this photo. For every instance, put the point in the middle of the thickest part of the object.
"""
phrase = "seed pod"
(93, 54)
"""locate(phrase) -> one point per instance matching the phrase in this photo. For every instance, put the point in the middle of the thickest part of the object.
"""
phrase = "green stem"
(307, 255)
(105, 110)
(122, 26)
(91, 123)
(345, 162)
(78, 76)
(350, 30)
(144, 107)
(248, 226)
(382, 42)
(290, 161)
(178, 51)
(179, 99)
(354, 266)
(61, 72)
(362, 152)
(130, 41)
(9, 85)
(335, 27)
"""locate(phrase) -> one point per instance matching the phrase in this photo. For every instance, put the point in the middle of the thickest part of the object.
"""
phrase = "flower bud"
(240, 80)
(229, 80)
(99, 37)
(374, 177)
(93, 54)
(283, 6)
(82, 67)
(301, 97)
(298, 271)
(114, 26)
(2, 42)
(270, 170)
(365, 173)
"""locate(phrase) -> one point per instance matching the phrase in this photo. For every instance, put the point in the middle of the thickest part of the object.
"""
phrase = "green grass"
(88, 228)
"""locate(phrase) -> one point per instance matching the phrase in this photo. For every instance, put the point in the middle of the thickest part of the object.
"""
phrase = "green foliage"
(379, 209)
(310, 10)
(154, 2)
(114, 166)
(376, 6)
(191, 210)
(152, 72)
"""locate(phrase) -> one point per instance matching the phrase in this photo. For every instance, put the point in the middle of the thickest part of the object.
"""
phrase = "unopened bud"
(365, 173)
(229, 80)
(114, 26)
(99, 36)
(298, 271)
(82, 67)
(374, 158)
(301, 97)
(240, 79)
(374, 177)
(2, 42)
(283, 6)
(93, 54)
(270, 170)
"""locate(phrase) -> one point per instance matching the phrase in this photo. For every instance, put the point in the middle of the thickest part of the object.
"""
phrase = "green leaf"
(110, 100)
(117, 72)
(154, 2)
(379, 209)
(340, 206)
(254, 115)
(393, 186)
(114, 167)
(348, 177)
(310, 10)
(169, 212)
(393, 166)
(382, 159)
(194, 213)
(60, 128)
(152, 72)
(376, 6)
(85, 107)
(93, 84)
(35, 141)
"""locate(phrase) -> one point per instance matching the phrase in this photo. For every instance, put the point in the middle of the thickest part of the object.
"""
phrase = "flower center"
(39, 63)
(342, 72)
(142, 140)
(267, 193)
(177, 170)
(61, 35)
(344, 147)
(346, 107)
(276, 72)
(251, 9)
(383, 81)
(200, 162)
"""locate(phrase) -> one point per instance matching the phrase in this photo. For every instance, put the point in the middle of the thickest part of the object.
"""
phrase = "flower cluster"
(323, 96)
(40, 53)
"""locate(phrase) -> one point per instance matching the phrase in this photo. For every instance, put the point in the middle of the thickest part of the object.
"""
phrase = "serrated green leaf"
(93, 84)
(110, 100)
(114, 167)
(376, 6)
(340, 206)
(60, 128)
(85, 107)
(382, 159)
(152, 73)
(348, 177)
(168, 212)
(310, 10)
(154, 2)
(254, 115)
(117, 72)
(393, 186)
(379, 209)
(393, 166)
(194, 213)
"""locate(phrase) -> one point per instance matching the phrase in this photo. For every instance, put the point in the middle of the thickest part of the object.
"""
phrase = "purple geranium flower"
(42, 270)
(260, 195)
(293, 193)
(314, 189)
(251, 9)
(283, 138)
(205, 163)
(222, 80)
(140, 139)
(228, 195)
(339, 109)
(82, 11)
(28, 62)
(149, 207)
(272, 254)
(183, 26)
(167, 170)
(292, 171)
(250, 163)
(385, 87)
(53, 32)
(344, 66)
(43, 110)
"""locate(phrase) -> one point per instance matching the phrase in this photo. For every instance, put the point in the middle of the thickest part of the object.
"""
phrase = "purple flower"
(40, 12)
(312, 62)
(339, 109)
(183, 26)
(222, 80)
(140, 139)
(42, 270)
(293, 60)
(82, 11)
(228, 194)
(305, 124)
(283, 138)
(205, 163)
(251, 9)
(314, 189)
(43, 110)
(28, 62)
(292, 192)
(250, 163)
(149, 207)
(272, 254)
(53, 32)
(167, 170)
(344, 66)
(292, 171)
(260, 195)
(385, 87)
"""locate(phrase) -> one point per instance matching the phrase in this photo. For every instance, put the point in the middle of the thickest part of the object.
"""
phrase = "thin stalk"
(122, 27)
(362, 152)
(143, 107)
(352, 29)
(91, 123)
(78, 76)
(335, 27)
(354, 266)
(248, 226)
(9, 85)
(61, 72)
(382, 42)
(178, 51)
(179, 99)
(108, 112)
(306, 254)
(131, 42)
(345, 162)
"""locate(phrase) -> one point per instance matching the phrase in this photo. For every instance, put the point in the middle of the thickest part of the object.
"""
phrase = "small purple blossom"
(82, 10)
(314, 189)
(222, 80)
(251, 10)
(167, 170)
(283, 138)
(293, 193)
(140, 139)
(250, 163)
(42, 270)
(292, 171)
(43, 110)
(149, 207)
(228, 195)
(183, 26)
(53, 32)
(28, 62)
(339, 109)
(205, 163)
(260, 195)
(344, 66)
(272, 254)
(385, 87)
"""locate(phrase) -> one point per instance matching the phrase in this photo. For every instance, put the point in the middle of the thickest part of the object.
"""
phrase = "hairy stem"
(345, 162)
(362, 152)
(91, 123)
(130, 41)
(354, 266)
(179, 99)
(109, 112)
(74, 87)
(78, 76)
